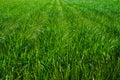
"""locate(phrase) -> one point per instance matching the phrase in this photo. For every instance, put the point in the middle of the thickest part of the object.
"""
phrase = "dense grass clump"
(59, 40)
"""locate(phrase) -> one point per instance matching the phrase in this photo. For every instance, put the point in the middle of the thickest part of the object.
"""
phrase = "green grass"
(59, 40)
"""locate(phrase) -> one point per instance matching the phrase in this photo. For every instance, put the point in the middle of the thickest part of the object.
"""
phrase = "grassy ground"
(59, 40)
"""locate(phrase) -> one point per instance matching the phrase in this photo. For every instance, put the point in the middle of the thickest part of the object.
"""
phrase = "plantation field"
(59, 39)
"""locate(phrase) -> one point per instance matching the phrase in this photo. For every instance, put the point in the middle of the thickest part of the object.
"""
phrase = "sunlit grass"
(59, 40)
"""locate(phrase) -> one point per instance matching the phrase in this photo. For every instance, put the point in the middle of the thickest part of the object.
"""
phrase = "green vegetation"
(59, 40)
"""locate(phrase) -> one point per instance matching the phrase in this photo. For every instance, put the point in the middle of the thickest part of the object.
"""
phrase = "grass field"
(59, 39)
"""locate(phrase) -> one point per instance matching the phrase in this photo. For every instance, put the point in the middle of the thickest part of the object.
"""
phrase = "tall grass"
(59, 40)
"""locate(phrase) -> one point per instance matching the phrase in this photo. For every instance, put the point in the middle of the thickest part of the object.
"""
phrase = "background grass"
(59, 40)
